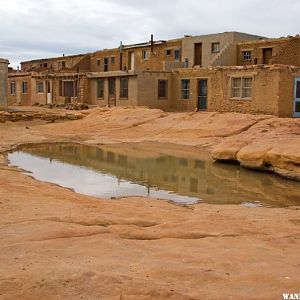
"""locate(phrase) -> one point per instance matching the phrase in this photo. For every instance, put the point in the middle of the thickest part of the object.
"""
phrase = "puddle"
(154, 171)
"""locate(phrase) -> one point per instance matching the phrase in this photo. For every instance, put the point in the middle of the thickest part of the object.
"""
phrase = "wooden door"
(198, 54)
(112, 92)
(267, 55)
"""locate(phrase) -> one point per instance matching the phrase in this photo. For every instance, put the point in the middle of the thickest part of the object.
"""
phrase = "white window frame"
(218, 47)
(247, 55)
(242, 88)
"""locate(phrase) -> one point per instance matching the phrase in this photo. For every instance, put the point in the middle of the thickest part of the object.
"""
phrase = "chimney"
(152, 44)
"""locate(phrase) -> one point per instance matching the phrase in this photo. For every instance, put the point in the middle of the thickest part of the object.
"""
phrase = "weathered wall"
(148, 89)
(19, 97)
(3, 82)
(132, 91)
(272, 91)
(225, 39)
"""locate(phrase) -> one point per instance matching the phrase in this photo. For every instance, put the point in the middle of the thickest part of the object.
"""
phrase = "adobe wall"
(3, 82)
(19, 97)
(132, 92)
(148, 89)
(268, 90)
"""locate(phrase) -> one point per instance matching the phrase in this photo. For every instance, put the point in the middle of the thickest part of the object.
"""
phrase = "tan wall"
(3, 82)
(225, 39)
(19, 97)
(272, 90)
(132, 92)
(148, 89)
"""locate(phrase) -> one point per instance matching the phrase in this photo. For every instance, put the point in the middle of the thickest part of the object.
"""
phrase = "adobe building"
(229, 71)
(3, 82)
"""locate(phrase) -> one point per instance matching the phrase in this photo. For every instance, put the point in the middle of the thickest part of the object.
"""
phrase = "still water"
(152, 171)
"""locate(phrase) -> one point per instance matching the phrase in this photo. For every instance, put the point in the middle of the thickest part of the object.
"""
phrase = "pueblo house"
(225, 72)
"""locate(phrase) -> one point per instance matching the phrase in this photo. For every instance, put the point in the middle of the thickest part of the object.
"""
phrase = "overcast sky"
(31, 29)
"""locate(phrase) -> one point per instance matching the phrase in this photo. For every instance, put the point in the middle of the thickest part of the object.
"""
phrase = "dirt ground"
(56, 244)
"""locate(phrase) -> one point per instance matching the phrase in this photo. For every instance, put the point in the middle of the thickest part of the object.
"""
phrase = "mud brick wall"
(3, 82)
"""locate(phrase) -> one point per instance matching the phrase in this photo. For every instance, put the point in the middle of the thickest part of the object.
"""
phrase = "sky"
(32, 29)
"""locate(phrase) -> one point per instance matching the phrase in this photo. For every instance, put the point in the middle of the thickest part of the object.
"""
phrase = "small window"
(24, 87)
(45, 65)
(162, 89)
(63, 64)
(247, 55)
(241, 87)
(186, 63)
(12, 88)
(98, 62)
(145, 54)
(215, 47)
(185, 89)
(177, 55)
(100, 88)
(124, 88)
(168, 52)
(40, 87)
(112, 59)
(105, 64)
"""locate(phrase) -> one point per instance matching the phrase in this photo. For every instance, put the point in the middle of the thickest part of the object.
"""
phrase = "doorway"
(131, 61)
(297, 98)
(267, 55)
(202, 94)
(198, 54)
(112, 92)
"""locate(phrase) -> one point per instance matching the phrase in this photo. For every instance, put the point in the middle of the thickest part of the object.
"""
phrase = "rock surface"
(56, 244)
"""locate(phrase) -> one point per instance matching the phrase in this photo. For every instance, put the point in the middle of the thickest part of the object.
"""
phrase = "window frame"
(185, 91)
(98, 62)
(168, 52)
(165, 94)
(145, 54)
(24, 89)
(179, 54)
(122, 89)
(213, 49)
(12, 88)
(38, 91)
(242, 94)
(100, 95)
(247, 57)
(112, 60)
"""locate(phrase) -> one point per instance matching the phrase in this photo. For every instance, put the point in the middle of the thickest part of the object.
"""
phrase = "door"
(202, 94)
(198, 54)
(131, 60)
(49, 94)
(112, 91)
(105, 64)
(267, 55)
(297, 98)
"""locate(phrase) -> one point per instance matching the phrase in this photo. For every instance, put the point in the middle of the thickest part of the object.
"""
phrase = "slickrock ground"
(55, 244)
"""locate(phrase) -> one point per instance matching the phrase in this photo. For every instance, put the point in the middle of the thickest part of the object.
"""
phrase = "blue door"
(202, 94)
(297, 98)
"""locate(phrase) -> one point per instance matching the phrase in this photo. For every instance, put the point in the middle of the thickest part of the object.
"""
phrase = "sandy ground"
(56, 244)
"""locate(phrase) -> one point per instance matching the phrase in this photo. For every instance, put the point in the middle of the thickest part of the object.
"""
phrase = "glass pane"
(298, 89)
(297, 107)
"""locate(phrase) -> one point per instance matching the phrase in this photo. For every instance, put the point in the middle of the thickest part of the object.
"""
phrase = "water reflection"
(113, 171)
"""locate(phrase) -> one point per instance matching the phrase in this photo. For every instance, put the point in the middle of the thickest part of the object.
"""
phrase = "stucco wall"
(3, 82)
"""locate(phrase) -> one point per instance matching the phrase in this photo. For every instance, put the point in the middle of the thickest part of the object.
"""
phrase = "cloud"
(34, 29)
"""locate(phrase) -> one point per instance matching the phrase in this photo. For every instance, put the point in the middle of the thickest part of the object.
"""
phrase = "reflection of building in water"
(216, 183)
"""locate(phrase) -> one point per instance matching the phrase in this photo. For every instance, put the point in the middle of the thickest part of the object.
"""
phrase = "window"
(186, 63)
(24, 87)
(111, 87)
(112, 59)
(185, 89)
(162, 89)
(168, 52)
(100, 88)
(40, 87)
(246, 55)
(12, 88)
(98, 62)
(241, 87)
(105, 64)
(177, 55)
(215, 47)
(63, 64)
(124, 88)
(145, 54)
